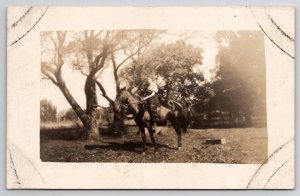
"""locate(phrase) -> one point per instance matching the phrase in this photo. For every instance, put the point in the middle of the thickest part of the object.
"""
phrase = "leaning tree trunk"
(91, 105)
(88, 119)
(118, 123)
(77, 109)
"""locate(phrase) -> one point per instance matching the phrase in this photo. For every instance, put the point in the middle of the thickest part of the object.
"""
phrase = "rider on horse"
(148, 91)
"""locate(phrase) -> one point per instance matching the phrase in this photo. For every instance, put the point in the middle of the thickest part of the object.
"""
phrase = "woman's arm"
(151, 95)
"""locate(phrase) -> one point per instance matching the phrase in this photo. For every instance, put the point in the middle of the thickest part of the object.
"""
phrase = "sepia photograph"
(151, 95)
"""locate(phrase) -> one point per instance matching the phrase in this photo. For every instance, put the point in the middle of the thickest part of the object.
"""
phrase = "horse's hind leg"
(179, 140)
(177, 128)
(179, 137)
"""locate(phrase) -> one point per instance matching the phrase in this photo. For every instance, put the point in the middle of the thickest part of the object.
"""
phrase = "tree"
(47, 111)
(90, 53)
(70, 115)
(173, 64)
(241, 86)
(52, 70)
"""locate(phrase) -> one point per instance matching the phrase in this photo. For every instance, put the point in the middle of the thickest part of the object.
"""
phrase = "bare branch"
(77, 36)
(61, 39)
(48, 68)
(54, 43)
(104, 93)
(49, 77)
(97, 58)
(81, 71)
(137, 51)
(78, 67)
(113, 62)
(101, 64)
(99, 33)
(115, 73)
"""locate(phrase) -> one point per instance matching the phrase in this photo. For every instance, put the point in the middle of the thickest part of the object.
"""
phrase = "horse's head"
(127, 103)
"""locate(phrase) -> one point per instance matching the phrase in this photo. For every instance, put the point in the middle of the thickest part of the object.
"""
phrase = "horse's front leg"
(143, 135)
(151, 133)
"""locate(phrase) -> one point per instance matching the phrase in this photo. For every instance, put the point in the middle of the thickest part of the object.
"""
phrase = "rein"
(128, 104)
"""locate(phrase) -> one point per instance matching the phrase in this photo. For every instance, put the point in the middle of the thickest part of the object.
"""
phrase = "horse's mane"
(132, 98)
(133, 95)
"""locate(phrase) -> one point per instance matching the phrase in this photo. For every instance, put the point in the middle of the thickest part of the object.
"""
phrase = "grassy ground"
(59, 125)
(243, 145)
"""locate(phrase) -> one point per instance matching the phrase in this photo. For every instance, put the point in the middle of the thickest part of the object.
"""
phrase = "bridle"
(126, 106)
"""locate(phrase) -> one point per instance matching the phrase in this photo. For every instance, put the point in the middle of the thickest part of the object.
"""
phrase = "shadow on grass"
(70, 134)
(61, 134)
(136, 147)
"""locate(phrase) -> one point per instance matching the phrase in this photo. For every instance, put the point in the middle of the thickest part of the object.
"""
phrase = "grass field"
(243, 145)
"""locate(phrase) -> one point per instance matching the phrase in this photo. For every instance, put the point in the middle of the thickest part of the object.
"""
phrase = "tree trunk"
(91, 105)
(118, 122)
(80, 113)
(92, 131)
(87, 118)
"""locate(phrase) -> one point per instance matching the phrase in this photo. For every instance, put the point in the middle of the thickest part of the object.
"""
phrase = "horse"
(132, 104)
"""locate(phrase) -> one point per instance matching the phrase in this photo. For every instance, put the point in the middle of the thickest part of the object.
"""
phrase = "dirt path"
(248, 145)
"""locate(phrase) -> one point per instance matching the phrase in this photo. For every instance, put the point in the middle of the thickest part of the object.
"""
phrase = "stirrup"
(154, 126)
(153, 130)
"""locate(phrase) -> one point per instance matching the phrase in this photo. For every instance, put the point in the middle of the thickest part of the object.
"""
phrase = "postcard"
(150, 98)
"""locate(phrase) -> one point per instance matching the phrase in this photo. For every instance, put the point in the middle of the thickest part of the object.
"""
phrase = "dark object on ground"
(215, 141)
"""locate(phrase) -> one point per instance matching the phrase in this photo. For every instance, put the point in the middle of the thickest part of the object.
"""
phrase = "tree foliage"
(173, 67)
(241, 85)
(47, 111)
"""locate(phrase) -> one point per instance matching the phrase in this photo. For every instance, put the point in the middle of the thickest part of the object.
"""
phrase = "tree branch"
(97, 58)
(99, 33)
(49, 77)
(115, 73)
(79, 68)
(133, 54)
(48, 68)
(101, 64)
(104, 93)
(113, 62)
(81, 71)
(54, 43)
(61, 39)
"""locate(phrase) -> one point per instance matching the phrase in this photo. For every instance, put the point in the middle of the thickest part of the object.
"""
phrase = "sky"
(75, 81)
